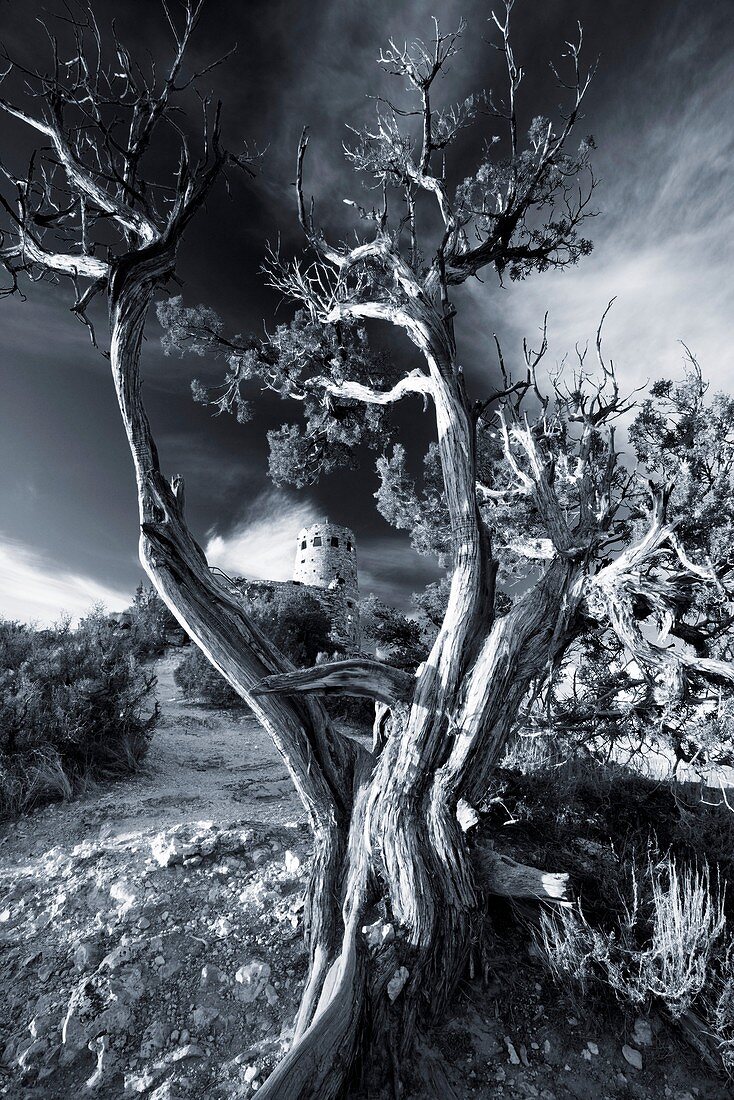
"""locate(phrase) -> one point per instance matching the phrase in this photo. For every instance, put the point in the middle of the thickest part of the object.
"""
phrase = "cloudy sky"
(661, 109)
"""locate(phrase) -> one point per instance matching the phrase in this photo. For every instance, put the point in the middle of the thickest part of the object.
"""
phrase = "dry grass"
(670, 947)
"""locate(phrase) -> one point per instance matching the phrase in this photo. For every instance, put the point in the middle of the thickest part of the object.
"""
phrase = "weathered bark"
(325, 1047)
(504, 877)
(392, 833)
(359, 676)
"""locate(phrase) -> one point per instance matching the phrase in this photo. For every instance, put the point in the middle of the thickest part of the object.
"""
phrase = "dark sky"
(661, 109)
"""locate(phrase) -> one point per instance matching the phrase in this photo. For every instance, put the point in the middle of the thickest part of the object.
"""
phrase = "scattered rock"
(86, 956)
(632, 1056)
(512, 1053)
(125, 896)
(190, 1050)
(154, 1038)
(30, 1054)
(292, 863)
(204, 1017)
(592, 1047)
(378, 933)
(252, 979)
(46, 969)
(642, 1033)
(105, 1060)
(212, 977)
(142, 1082)
(466, 815)
(222, 928)
(191, 842)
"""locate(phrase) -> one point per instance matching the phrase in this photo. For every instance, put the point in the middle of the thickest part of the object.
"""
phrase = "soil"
(151, 944)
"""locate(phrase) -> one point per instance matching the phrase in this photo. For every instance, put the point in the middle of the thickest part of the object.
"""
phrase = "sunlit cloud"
(32, 589)
(262, 544)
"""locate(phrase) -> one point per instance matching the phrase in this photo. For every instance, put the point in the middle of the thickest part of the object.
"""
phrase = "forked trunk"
(389, 854)
(412, 891)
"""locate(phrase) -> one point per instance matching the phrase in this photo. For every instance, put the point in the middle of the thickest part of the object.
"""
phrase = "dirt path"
(204, 764)
(210, 763)
(107, 903)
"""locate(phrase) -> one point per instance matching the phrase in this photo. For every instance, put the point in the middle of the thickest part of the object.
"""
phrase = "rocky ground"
(151, 945)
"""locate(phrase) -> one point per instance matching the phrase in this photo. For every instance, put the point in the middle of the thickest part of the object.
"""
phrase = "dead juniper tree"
(518, 474)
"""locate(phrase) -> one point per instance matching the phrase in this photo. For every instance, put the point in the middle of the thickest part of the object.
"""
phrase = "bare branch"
(414, 382)
(355, 676)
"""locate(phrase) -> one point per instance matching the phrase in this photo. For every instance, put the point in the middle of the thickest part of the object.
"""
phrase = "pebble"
(379, 933)
(292, 863)
(642, 1033)
(632, 1056)
(212, 976)
(252, 979)
(85, 956)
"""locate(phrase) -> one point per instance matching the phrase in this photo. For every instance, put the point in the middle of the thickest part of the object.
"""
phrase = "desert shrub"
(649, 860)
(198, 679)
(396, 638)
(75, 706)
(292, 619)
(353, 710)
(718, 1009)
(295, 622)
(149, 621)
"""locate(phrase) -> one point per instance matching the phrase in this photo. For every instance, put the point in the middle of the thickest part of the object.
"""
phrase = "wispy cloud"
(32, 589)
(662, 246)
(391, 569)
(262, 543)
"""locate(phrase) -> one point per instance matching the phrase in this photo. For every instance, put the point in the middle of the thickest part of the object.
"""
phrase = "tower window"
(349, 545)
(303, 545)
(317, 540)
(334, 541)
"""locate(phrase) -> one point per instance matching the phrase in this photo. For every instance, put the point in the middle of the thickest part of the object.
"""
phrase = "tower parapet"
(326, 556)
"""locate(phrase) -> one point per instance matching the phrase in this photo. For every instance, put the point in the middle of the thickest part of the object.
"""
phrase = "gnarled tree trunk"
(321, 763)
(388, 847)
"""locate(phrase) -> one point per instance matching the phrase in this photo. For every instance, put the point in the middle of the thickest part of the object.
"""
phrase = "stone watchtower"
(326, 558)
